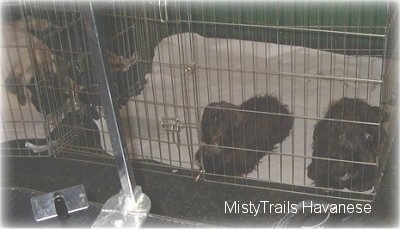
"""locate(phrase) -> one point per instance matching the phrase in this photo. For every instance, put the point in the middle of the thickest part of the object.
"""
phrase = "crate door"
(162, 118)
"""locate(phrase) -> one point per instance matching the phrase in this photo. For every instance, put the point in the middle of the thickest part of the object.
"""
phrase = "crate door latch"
(173, 126)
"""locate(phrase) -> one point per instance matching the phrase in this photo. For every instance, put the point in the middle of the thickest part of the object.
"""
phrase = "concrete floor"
(181, 197)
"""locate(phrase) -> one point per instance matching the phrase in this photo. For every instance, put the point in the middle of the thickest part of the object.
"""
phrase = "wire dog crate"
(170, 60)
(56, 100)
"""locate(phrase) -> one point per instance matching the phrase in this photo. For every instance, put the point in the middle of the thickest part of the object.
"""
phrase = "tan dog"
(24, 56)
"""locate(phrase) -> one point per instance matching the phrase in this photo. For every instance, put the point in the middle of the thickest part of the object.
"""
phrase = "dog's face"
(217, 125)
(89, 98)
(358, 143)
(218, 122)
(354, 143)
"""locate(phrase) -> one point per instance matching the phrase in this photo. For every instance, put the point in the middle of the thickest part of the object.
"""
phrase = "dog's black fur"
(81, 127)
(51, 96)
(80, 124)
(75, 129)
(250, 133)
(346, 141)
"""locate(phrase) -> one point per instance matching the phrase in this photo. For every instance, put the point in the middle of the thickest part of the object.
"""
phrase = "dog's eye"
(214, 119)
(368, 138)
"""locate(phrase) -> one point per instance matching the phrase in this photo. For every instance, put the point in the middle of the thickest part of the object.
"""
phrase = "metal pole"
(97, 54)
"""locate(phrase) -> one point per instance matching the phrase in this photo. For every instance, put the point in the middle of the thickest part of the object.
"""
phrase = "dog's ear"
(207, 123)
(21, 95)
(15, 85)
(233, 116)
(311, 171)
(35, 99)
(381, 114)
(237, 119)
(385, 116)
(209, 117)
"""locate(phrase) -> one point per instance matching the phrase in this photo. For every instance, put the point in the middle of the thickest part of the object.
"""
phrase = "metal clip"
(173, 125)
(201, 172)
(189, 69)
(161, 3)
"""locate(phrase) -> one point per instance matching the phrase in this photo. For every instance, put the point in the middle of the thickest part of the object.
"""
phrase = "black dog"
(346, 141)
(245, 130)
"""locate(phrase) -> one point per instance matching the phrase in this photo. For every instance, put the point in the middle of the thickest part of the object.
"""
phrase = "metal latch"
(161, 3)
(64, 201)
(173, 126)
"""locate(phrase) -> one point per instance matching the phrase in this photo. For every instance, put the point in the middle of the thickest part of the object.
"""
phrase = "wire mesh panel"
(292, 97)
(160, 123)
(284, 96)
(25, 58)
(61, 91)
